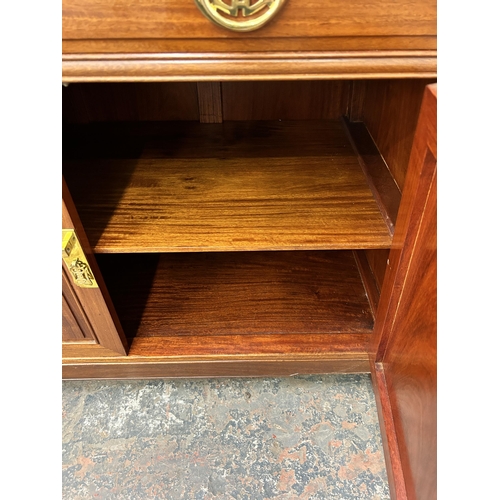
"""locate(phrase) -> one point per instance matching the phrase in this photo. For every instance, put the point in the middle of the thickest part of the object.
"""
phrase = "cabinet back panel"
(285, 100)
(288, 100)
(98, 102)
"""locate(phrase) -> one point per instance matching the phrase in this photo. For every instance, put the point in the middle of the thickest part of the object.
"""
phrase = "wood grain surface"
(411, 44)
(245, 66)
(86, 351)
(390, 112)
(95, 302)
(257, 293)
(75, 324)
(285, 100)
(410, 364)
(174, 19)
(368, 278)
(210, 102)
(150, 368)
(378, 261)
(383, 186)
(85, 103)
(223, 187)
(392, 456)
(247, 347)
(405, 336)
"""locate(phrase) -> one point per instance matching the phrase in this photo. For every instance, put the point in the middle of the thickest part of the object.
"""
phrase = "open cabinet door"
(90, 326)
(404, 357)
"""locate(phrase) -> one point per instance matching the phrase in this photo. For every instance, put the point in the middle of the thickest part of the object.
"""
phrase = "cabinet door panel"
(75, 324)
(88, 313)
(405, 334)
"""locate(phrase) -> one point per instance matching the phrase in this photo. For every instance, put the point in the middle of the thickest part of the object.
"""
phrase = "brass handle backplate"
(240, 15)
(75, 260)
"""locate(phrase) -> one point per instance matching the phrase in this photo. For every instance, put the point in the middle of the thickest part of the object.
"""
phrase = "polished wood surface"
(95, 302)
(235, 186)
(285, 100)
(176, 19)
(146, 368)
(410, 44)
(71, 330)
(75, 324)
(379, 177)
(369, 59)
(85, 103)
(210, 102)
(236, 66)
(369, 282)
(410, 365)
(240, 293)
(244, 347)
(404, 340)
(414, 199)
(390, 111)
(389, 435)
(87, 350)
(378, 260)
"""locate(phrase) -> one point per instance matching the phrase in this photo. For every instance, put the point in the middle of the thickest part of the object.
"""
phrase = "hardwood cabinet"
(256, 203)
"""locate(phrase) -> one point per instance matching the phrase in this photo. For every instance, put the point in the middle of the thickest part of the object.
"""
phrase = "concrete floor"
(304, 437)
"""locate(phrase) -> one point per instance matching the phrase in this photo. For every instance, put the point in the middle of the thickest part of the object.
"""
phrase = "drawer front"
(145, 25)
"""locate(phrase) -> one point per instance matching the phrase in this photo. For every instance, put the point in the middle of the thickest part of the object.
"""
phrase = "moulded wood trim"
(224, 355)
(413, 43)
(85, 350)
(397, 485)
(248, 66)
(277, 366)
(252, 55)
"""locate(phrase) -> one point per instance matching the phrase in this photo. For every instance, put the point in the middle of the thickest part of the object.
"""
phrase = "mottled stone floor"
(309, 437)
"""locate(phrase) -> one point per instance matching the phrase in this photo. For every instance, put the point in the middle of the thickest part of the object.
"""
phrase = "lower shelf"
(217, 314)
(240, 293)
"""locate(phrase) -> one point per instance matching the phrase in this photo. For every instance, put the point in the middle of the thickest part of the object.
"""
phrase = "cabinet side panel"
(390, 112)
(389, 109)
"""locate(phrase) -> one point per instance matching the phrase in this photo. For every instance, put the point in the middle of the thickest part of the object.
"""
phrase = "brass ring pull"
(240, 15)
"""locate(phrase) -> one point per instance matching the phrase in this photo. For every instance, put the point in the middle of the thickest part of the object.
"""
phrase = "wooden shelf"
(188, 187)
(195, 299)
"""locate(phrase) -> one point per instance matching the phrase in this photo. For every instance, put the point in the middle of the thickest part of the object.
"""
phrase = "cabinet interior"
(241, 218)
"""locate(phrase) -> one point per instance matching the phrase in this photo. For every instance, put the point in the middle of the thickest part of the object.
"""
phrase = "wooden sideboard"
(256, 203)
